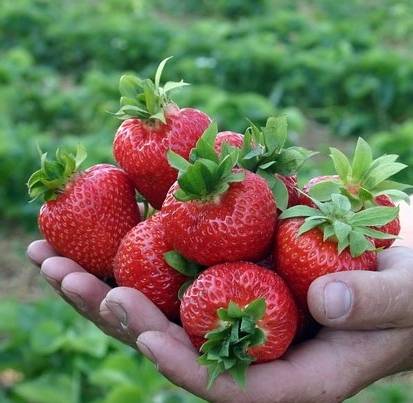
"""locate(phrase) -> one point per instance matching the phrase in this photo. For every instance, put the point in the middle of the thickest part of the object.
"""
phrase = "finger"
(86, 291)
(137, 314)
(55, 269)
(39, 251)
(318, 364)
(406, 222)
(178, 363)
(364, 299)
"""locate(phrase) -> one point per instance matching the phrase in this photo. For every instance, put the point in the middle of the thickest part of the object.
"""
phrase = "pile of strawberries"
(228, 244)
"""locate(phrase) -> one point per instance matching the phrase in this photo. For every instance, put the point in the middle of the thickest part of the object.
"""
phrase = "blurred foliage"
(50, 354)
(346, 65)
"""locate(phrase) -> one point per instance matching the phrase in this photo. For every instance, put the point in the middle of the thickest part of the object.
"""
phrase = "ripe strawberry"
(238, 313)
(141, 263)
(153, 125)
(215, 213)
(86, 214)
(231, 138)
(332, 238)
(364, 181)
(264, 153)
(392, 228)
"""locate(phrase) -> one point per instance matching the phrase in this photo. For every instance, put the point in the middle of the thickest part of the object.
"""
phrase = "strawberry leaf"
(341, 163)
(362, 159)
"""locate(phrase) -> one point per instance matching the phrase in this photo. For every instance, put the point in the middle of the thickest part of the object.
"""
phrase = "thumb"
(365, 299)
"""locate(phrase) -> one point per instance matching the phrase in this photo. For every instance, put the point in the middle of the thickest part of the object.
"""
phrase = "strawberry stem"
(264, 152)
(144, 98)
(363, 178)
(52, 177)
(341, 224)
(206, 175)
(226, 348)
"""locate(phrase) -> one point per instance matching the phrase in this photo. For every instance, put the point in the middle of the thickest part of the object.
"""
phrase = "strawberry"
(331, 238)
(236, 314)
(264, 153)
(365, 181)
(86, 214)
(153, 125)
(216, 213)
(231, 138)
(141, 263)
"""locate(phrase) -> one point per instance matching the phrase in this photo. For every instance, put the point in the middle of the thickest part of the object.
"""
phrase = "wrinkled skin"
(370, 341)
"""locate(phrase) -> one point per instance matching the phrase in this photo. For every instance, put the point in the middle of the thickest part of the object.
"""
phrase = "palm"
(330, 367)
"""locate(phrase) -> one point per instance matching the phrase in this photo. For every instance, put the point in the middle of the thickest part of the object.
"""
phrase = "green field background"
(338, 70)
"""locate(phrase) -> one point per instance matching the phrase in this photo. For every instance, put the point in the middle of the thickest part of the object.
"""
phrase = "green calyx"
(364, 178)
(226, 348)
(183, 266)
(264, 152)
(53, 176)
(206, 175)
(144, 98)
(340, 223)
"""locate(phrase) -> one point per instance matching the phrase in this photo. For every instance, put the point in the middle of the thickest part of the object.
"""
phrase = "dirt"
(19, 278)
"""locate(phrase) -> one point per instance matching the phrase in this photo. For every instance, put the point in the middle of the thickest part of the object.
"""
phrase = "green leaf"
(359, 244)
(309, 225)
(374, 216)
(205, 145)
(275, 133)
(234, 310)
(192, 181)
(372, 233)
(159, 70)
(278, 189)
(389, 184)
(342, 203)
(342, 232)
(382, 172)
(176, 161)
(129, 85)
(256, 309)
(299, 211)
(172, 85)
(341, 163)
(362, 159)
(322, 191)
(181, 264)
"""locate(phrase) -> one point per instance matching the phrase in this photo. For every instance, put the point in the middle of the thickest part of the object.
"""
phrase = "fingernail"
(75, 298)
(145, 350)
(120, 313)
(54, 283)
(337, 299)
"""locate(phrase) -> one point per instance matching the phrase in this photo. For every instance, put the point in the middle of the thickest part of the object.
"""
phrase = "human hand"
(333, 366)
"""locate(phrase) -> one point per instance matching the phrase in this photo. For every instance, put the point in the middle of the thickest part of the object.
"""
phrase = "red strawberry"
(140, 264)
(232, 138)
(264, 152)
(365, 181)
(392, 228)
(152, 126)
(238, 313)
(87, 213)
(215, 213)
(332, 238)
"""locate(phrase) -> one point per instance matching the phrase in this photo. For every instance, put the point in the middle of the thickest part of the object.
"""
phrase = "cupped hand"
(339, 362)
